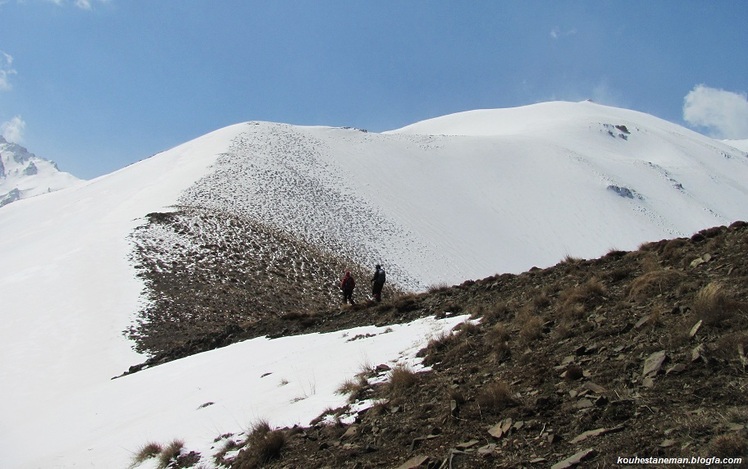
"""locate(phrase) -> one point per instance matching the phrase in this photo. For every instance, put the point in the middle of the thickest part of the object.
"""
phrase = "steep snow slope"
(444, 200)
(68, 290)
(23, 174)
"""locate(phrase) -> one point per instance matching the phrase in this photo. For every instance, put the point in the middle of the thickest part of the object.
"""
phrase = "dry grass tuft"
(354, 388)
(569, 259)
(170, 454)
(220, 457)
(439, 287)
(402, 378)
(531, 329)
(674, 248)
(467, 328)
(733, 347)
(542, 299)
(577, 300)
(731, 445)
(495, 397)
(497, 339)
(650, 263)
(148, 451)
(654, 282)
(529, 324)
(263, 445)
(406, 303)
(498, 333)
(436, 346)
(496, 312)
(712, 304)
(618, 274)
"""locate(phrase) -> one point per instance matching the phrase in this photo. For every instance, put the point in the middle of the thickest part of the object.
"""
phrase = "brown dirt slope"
(213, 278)
(634, 354)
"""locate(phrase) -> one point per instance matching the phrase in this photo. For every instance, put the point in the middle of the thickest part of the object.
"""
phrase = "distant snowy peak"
(24, 175)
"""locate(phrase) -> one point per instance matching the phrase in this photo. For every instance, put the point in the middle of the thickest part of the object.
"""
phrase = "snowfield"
(441, 201)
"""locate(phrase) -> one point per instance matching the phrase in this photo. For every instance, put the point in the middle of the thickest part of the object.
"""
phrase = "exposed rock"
(351, 432)
(596, 388)
(698, 353)
(695, 329)
(592, 433)
(31, 169)
(653, 363)
(487, 449)
(677, 368)
(575, 459)
(701, 260)
(415, 462)
(501, 428)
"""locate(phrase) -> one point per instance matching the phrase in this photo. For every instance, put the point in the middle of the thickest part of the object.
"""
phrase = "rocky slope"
(638, 353)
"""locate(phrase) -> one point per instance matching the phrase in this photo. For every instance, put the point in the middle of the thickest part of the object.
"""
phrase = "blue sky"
(98, 84)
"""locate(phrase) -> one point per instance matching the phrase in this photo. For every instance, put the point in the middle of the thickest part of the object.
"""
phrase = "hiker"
(347, 284)
(377, 282)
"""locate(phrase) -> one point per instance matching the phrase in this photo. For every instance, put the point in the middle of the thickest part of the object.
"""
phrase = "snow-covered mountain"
(24, 175)
(476, 193)
(440, 201)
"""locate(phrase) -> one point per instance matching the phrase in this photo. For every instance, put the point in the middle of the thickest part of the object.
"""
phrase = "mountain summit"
(24, 175)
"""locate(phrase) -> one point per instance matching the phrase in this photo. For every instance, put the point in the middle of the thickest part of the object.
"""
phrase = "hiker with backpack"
(347, 284)
(377, 283)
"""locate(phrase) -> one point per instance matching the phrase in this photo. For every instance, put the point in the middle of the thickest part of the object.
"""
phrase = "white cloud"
(723, 113)
(12, 131)
(82, 4)
(557, 33)
(6, 70)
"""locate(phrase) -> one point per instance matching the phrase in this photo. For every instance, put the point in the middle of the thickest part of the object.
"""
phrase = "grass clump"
(495, 397)
(402, 378)
(654, 283)
(467, 328)
(354, 388)
(262, 446)
(437, 346)
(148, 451)
(712, 305)
(220, 457)
(731, 445)
(530, 325)
(170, 454)
(575, 301)
(499, 311)
(497, 339)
